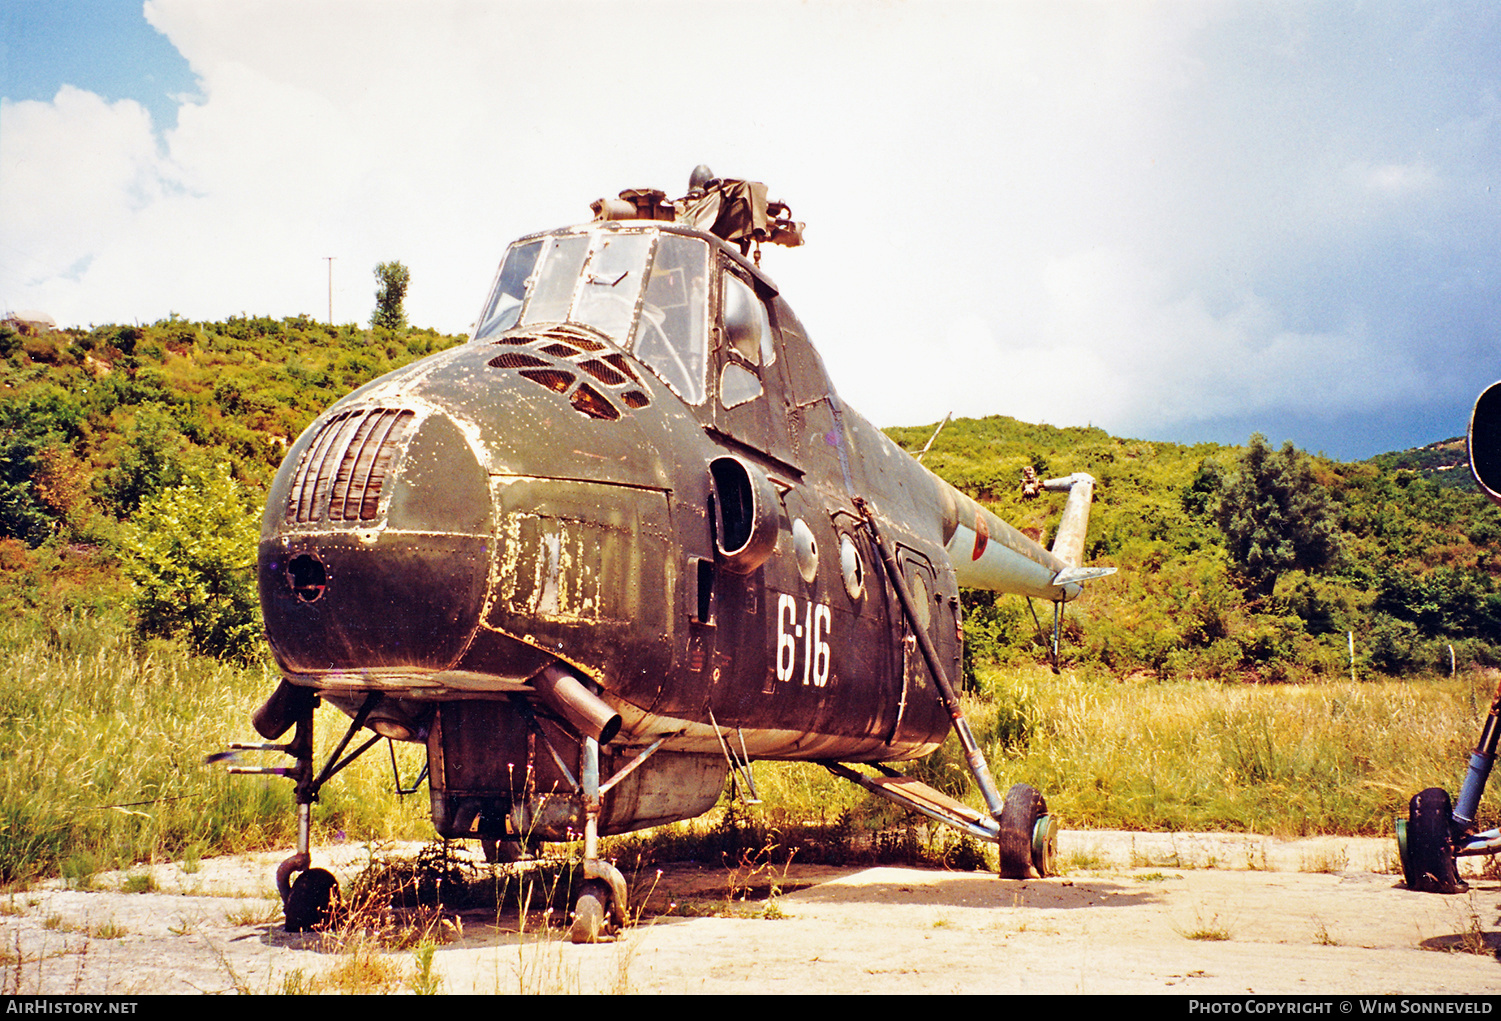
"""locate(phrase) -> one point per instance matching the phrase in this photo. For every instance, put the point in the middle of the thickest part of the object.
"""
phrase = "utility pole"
(330, 260)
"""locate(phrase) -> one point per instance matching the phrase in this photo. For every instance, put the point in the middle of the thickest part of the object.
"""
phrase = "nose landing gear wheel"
(1428, 864)
(311, 902)
(1021, 855)
(589, 912)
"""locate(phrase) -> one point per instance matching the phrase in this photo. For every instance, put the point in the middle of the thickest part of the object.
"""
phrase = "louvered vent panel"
(342, 473)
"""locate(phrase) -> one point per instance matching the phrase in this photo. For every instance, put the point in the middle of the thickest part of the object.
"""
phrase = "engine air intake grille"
(341, 474)
(570, 347)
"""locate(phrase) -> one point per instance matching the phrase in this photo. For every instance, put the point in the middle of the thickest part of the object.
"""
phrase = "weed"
(108, 930)
(424, 981)
(1331, 861)
(1145, 860)
(295, 983)
(240, 985)
(139, 882)
(53, 922)
(254, 914)
(540, 968)
(1256, 858)
(79, 870)
(1151, 877)
(1472, 939)
(1212, 930)
(1207, 932)
(362, 970)
(1322, 937)
(1091, 860)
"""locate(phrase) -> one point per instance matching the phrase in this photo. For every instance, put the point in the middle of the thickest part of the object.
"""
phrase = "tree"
(391, 280)
(1275, 515)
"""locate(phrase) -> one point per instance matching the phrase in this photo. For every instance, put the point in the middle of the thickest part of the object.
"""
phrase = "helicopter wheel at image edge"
(1425, 844)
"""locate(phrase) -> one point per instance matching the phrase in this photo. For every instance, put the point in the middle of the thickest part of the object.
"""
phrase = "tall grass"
(103, 741)
(102, 749)
(1277, 759)
(1283, 760)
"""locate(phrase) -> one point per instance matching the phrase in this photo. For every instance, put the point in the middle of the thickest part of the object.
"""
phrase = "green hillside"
(1445, 463)
(1410, 567)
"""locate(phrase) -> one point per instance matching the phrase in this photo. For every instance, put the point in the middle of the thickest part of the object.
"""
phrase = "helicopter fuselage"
(636, 477)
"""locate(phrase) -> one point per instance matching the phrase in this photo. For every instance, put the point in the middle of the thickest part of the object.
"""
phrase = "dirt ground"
(1134, 913)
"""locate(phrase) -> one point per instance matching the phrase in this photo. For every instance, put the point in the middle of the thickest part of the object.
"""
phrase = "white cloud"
(72, 171)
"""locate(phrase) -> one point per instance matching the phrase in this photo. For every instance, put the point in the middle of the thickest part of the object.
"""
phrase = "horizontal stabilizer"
(1078, 575)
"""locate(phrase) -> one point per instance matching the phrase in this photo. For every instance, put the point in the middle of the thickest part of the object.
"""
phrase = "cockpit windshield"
(645, 290)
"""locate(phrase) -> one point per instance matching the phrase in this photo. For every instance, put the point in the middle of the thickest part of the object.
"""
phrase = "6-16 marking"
(812, 629)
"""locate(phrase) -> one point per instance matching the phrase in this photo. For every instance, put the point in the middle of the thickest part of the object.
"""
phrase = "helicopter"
(1438, 831)
(620, 544)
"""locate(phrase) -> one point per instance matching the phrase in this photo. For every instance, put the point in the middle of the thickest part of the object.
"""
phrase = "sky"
(1174, 221)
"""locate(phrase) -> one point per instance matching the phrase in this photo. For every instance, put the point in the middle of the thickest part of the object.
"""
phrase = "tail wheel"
(311, 902)
(1021, 815)
(1429, 863)
(589, 912)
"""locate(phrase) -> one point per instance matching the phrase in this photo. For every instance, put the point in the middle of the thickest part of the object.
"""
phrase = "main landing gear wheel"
(1428, 862)
(1028, 837)
(589, 912)
(311, 902)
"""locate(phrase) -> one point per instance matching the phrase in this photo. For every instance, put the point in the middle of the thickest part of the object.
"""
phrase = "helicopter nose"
(376, 555)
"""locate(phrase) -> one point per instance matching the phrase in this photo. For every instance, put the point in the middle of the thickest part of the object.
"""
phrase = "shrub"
(191, 554)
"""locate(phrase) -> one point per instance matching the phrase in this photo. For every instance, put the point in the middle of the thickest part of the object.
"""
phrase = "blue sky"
(1184, 221)
(104, 46)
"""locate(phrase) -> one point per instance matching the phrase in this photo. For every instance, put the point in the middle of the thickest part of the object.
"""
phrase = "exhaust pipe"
(287, 704)
(565, 694)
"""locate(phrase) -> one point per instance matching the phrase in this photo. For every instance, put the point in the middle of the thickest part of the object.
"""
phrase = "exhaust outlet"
(287, 704)
(566, 694)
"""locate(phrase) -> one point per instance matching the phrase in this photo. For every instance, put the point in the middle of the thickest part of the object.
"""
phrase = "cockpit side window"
(673, 324)
(746, 324)
(504, 306)
(748, 341)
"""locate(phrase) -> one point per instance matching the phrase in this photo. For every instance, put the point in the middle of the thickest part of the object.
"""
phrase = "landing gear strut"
(1434, 834)
(603, 894)
(311, 900)
(1020, 826)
